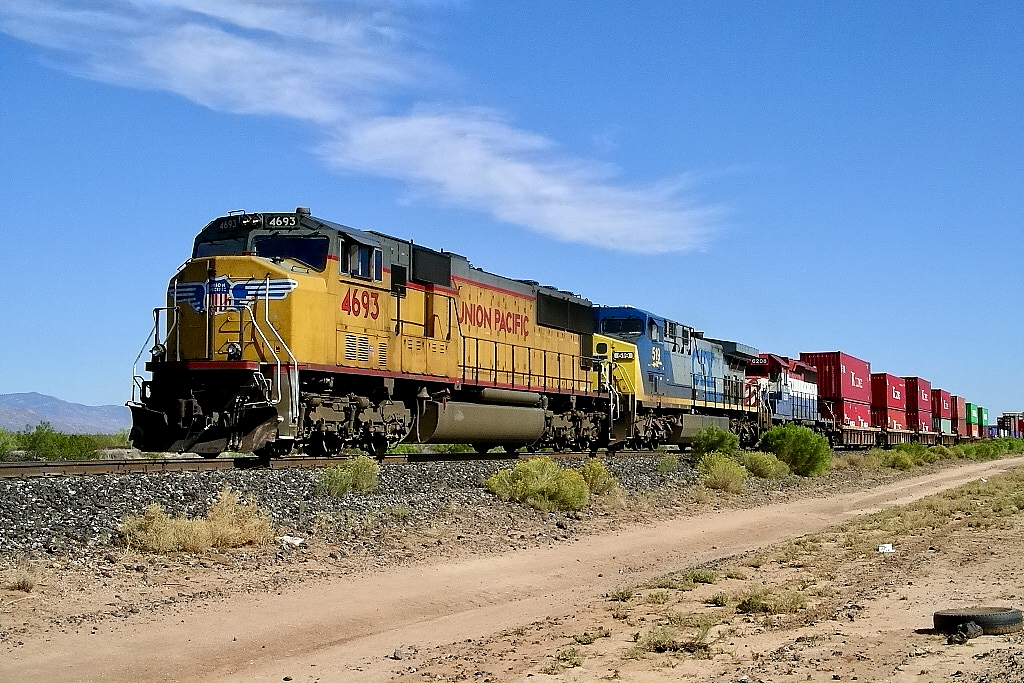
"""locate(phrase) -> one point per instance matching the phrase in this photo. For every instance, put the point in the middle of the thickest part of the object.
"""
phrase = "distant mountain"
(18, 411)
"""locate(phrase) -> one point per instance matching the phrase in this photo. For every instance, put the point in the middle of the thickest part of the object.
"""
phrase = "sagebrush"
(599, 479)
(541, 483)
(806, 452)
(722, 472)
(711, 439)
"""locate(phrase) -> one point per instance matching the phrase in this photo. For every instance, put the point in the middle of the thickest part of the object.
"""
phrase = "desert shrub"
(621, 594)
(8, 441)
(896, 459)
(764, 465)
(806, 452)
(228, 524)
(656, 598)
(669, 462)
(360, 474)
(54, 445)
(702, 575)
(599, 480)
(941, 452)
(918, 452)
(542, 484)
(711, 439)
(570, 657)
(1012, 444)
(722, 472)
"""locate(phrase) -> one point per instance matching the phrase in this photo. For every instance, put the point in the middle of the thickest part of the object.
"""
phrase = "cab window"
(622, 326)
(308, 250)
(366, 262)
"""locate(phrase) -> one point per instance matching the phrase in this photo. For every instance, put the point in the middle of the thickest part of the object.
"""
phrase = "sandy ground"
(527, 612)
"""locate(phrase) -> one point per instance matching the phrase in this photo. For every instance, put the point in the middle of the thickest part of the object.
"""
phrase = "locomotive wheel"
(482, 448)
(378, 447)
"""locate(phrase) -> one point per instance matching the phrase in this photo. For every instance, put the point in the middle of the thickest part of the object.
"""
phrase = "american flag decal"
(218, 295)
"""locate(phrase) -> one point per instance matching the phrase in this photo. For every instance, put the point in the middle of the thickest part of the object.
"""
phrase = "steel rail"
(53, 468)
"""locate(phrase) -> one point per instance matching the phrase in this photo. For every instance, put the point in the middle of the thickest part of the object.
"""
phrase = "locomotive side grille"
(382, 354)
(350, 347)
(364, 349)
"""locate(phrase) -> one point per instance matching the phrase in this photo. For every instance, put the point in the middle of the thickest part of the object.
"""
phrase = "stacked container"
(983, 423)
(919, 404)
(888, 402)
(846, 382)
(942, 411)
(960, 416)
(971, 415)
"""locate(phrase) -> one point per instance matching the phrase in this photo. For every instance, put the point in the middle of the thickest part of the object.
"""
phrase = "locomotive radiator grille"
(382, 354)
(357, 348)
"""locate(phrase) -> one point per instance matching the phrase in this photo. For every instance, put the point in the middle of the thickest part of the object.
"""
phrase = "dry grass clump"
(764, 465)
(722, 472)
(228, 524)
(542, 484)
(669, 462)
(664, 638)
(857, 461)
(360, 474)
(621, 594)
(25, 578)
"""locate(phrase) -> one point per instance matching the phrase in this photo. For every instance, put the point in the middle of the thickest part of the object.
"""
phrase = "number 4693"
(362, 303)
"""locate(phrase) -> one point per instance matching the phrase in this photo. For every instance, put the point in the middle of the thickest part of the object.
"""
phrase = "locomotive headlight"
(234, 351)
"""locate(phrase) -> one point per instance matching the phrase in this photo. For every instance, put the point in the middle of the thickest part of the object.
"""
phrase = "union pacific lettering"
(494, 319)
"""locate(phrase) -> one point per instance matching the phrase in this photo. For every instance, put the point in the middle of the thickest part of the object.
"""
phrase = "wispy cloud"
(344, 67)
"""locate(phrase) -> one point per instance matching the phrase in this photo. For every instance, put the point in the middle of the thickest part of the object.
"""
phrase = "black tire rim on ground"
(992, 620)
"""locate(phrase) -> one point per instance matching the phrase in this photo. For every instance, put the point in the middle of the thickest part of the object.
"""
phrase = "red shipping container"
(841, 377)
(919, 394)
(888, 391)
(1020, 426)
(959, 409)
(960, 427)
(856, 414)
(942, 406)
(919, 421)
(888, 418)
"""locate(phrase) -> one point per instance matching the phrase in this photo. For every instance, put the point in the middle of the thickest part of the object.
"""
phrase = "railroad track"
(43, 468)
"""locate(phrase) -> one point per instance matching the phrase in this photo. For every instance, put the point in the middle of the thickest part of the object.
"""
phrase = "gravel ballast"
(50, 515)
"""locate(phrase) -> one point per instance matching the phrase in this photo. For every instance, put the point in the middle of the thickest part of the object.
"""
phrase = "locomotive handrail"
(154, 335)
(293, 369)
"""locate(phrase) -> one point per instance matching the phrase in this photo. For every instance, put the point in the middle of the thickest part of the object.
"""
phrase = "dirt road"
(348, 629)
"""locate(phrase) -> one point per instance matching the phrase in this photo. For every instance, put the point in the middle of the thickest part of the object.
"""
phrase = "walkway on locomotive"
(679, 367)
(400, 310)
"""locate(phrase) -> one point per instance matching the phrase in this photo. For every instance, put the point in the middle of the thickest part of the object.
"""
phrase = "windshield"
(309, 250)
(623, 326)
(229, 246)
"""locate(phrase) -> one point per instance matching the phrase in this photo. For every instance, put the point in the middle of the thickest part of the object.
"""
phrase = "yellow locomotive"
(284, 331)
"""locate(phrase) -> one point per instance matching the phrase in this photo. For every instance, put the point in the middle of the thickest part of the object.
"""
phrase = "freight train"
(288, 332)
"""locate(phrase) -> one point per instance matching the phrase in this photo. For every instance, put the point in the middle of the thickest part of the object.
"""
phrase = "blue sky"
(799, 176)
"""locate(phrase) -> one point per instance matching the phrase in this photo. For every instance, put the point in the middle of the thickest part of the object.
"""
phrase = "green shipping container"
(983, 416)
(972, 413)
